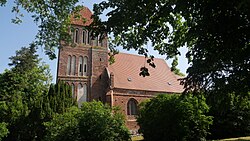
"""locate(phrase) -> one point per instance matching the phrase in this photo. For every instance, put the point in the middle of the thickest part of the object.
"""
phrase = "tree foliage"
(230, 112)
(58, 99)
(20, 89)
(52, 18)
(215, 32)
(3, 130)
(173, 117)
(26, 100)
(94, 121)
(174, 67)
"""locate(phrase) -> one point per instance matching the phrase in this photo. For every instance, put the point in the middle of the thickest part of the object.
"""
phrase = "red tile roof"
(126, 71)
(85, 14)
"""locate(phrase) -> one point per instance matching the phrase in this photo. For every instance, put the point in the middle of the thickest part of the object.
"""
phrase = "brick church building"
(86, 68)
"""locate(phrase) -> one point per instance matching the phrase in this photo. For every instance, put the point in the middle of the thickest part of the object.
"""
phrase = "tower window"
(80, 69)
(83, 36)
(73, 90)
(101, 41)
(85, 65)
(69, 65)
(95, 41)
(89, 38)
(132, 108)
(81, 94)
(80, 66)
(76, 36)
(73, 65)
(85, 68)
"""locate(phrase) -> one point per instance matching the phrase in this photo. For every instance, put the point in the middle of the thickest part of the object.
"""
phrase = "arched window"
(80, 66)
(83, 36)
(76, 36)
(132, 108)
(73, 90)
(95, 41)
(81, 94)
(101, 41)
(69, 65)
(89, 38)
(73, 65)
(85, 92)
(85, 66)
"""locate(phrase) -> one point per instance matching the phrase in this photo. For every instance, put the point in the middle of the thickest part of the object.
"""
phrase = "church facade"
(86, 68)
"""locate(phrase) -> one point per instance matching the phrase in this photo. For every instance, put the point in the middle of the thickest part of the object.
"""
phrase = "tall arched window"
(83, 36)
(85, 92)
(73, 90)
(95, 41)
(73, 65)
(132, 108)
(81, 93)
(76, 36)
(80, 66)
(101, 39)
(89, 38)
(69, 65)
(85, 66)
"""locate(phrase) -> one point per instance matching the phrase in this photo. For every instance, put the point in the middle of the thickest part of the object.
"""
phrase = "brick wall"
(121, 98)
(97, 57)
(98, 81)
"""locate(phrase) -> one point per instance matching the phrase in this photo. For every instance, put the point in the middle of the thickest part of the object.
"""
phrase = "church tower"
(82, 65)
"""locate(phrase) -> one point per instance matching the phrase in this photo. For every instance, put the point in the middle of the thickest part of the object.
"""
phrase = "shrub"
(94, 121)
(231, 114)
(3, 130)
(173, 117)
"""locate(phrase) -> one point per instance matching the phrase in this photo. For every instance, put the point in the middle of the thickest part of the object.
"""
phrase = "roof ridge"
(141, 56)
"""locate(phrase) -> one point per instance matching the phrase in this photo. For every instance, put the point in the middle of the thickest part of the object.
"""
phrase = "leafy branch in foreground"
(52, 18)
(215, 33)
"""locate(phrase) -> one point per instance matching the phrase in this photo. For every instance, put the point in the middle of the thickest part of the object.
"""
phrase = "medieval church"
(86, 68)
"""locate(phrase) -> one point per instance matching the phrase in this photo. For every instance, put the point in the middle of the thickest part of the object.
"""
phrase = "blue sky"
(13, 37)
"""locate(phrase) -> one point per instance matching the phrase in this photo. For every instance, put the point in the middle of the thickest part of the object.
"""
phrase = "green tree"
(20, 89)
(94, 121)
(174, 67)
(26, 100)
(3, 130)
(174, 117)
(215, 32)
(230, 112)
(52, 18)
(57, 100)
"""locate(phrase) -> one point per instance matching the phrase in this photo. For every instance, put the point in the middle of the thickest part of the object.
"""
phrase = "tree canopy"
(230, 111)
(175, 69)
(175, 117)
(94, 121)
(26, 100)
(20, 90)
(52, 18)
(216, 34)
